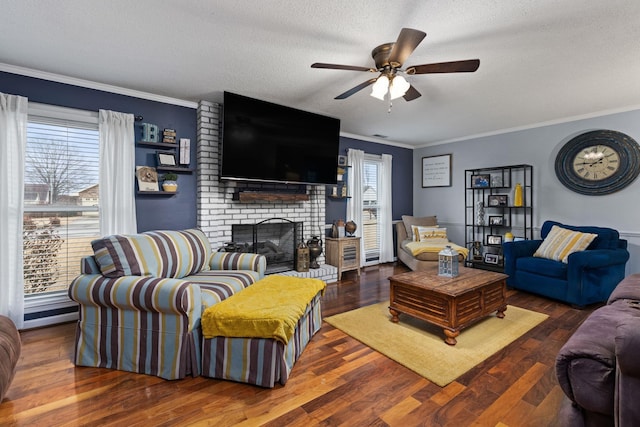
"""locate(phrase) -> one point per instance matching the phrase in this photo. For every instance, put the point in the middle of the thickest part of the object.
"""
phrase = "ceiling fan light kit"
(389, 59)
(396, 87)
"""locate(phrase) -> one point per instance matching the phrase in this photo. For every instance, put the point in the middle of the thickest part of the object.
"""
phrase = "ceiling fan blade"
(408, 40)
(356, 89)
(412, 94)
(341, 67)
(467, 66)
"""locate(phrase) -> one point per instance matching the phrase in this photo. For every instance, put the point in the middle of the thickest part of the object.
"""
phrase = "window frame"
(43, 309)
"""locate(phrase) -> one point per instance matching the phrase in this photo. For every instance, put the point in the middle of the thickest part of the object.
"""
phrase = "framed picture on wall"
(436, 171)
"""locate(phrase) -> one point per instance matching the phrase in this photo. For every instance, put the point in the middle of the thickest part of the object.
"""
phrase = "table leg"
(500, 313)
(451, 336)
(394, 315)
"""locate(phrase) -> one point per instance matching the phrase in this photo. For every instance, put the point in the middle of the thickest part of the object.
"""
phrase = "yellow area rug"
(420, 346)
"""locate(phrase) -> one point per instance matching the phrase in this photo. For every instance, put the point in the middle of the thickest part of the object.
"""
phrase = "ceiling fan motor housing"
(381, 55)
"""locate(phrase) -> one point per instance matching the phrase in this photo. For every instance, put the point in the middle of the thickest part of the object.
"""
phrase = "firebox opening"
(275, 238)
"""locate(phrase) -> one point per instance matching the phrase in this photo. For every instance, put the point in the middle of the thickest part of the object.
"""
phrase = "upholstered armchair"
(585, 276)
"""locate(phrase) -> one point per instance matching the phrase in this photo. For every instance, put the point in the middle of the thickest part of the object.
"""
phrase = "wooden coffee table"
(451, 303)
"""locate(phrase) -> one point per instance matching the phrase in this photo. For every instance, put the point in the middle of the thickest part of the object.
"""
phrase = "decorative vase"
(479, 212)
(477, 251)
(315, 250)
(170, 186)
(350, 228)
(517, 195)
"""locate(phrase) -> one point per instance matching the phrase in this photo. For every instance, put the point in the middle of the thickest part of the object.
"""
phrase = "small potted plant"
(169, 182)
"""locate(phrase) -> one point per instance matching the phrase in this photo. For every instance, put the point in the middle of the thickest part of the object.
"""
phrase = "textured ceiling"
(540, 60)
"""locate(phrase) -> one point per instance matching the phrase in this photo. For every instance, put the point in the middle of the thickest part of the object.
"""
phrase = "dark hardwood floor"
(337, 381)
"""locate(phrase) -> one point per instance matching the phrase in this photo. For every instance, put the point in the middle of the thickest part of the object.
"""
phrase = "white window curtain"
(117, 173)
(355, 159)
(385, 211)
(13, 143)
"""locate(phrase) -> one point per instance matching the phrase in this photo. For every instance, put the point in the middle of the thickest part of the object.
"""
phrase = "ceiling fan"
(389, 59)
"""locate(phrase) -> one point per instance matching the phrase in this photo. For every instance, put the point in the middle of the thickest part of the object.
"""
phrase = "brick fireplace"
(219, 207)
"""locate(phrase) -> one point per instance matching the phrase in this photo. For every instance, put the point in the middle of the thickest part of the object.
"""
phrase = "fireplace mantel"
(263, 196)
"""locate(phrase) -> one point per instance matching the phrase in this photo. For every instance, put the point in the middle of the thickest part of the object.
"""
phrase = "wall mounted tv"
(262, 141)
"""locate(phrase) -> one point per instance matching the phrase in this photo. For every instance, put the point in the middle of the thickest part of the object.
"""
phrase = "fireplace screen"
(274, 238)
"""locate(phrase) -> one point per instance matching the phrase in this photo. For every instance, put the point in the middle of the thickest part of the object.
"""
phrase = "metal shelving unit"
(494, 187)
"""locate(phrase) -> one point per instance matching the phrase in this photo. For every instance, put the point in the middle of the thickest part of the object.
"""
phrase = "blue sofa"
(588, 277)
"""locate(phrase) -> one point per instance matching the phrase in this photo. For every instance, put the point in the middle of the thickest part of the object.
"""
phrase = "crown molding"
(95, 85)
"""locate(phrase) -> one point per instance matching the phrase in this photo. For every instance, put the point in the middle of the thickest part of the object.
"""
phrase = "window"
(61, 214)
(370, 208)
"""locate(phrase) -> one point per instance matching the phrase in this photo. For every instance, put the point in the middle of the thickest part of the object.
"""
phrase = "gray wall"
(537, 147)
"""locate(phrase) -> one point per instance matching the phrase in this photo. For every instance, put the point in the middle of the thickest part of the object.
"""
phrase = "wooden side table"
(344, 253)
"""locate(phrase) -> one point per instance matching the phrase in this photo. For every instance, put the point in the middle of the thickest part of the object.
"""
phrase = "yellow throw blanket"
(270, 308)
(417, 248)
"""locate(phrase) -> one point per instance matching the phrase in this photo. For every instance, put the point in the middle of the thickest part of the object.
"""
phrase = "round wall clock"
(598, 162)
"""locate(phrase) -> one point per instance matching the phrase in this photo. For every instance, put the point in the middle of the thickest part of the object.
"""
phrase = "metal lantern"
(302, 258)
(448, 262)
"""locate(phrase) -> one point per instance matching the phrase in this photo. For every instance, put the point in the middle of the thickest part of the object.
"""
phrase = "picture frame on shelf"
(491, 258)
(342, 160)
(497, 200)
(481, 181)
(494, 240)
(496, 220)
(147, 177)
(166, 158)
(436, 171)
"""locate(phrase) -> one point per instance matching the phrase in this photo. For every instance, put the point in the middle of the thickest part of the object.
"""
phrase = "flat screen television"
(263, 141)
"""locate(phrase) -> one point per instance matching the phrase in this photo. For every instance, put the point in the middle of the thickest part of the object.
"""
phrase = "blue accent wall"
(402, 180)
(180, 211)
(153, 212)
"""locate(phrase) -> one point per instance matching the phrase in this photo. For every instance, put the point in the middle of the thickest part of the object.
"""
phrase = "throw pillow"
(429, 234)
(426, 221)
(560, 243)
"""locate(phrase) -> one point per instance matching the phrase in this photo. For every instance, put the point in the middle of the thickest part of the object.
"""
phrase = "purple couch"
(10, 346)
(598, 368)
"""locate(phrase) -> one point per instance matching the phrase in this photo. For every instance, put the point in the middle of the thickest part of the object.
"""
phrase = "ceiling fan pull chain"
(390, 105)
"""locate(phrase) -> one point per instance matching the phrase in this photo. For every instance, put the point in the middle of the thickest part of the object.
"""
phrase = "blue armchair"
(588, 276)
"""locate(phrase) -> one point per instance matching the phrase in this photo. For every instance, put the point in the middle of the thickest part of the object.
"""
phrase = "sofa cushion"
(218, 285)
(426, 221)
(629, 288)
(169, 254)
(607, 238)
(542, 267)
(561, 242)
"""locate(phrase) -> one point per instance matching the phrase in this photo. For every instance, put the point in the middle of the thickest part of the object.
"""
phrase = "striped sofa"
(141, 298)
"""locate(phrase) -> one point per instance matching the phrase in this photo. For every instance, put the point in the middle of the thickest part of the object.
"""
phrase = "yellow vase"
(517, 195)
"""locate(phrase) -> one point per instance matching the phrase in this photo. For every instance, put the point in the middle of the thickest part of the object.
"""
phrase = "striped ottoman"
(257, 335)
